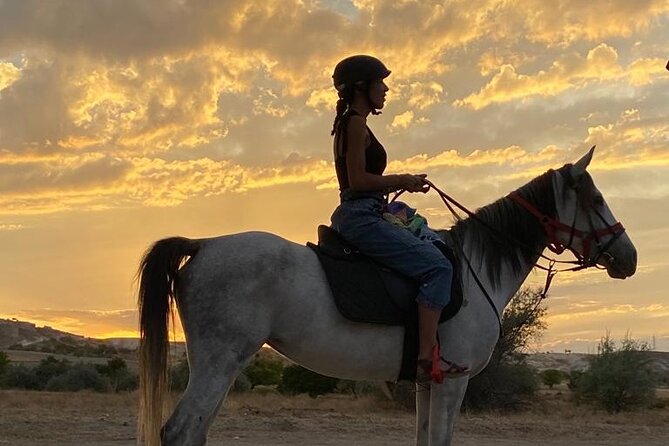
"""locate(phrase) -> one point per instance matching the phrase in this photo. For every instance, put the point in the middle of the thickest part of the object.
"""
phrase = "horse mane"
(514, 221)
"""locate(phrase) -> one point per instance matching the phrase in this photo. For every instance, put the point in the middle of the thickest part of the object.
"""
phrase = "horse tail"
(157, 276)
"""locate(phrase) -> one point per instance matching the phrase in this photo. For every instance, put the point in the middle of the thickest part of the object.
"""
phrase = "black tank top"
(375, 155)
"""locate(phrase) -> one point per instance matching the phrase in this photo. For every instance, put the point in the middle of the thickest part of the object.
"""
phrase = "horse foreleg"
(422, 415)
(445, 402)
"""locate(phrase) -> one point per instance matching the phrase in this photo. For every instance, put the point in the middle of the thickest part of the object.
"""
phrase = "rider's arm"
(358, 178)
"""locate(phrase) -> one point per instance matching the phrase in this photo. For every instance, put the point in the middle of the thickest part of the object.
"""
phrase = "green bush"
(264, 372)
(127, 382)
(79, 377)
(241, 384)
(178, 375)
(507, 381)
(505, 385)
(49, 368)
(297, 379)
(18, 376)
(120, 378)
(573, 378)
(618, 379)
(551, 377)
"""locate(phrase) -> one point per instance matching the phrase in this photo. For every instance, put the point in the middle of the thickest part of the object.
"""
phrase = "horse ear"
(582, 164)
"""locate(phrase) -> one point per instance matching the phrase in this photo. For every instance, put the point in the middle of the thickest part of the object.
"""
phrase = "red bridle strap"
(552, 227)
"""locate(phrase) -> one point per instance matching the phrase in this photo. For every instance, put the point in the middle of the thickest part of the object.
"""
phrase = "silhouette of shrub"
(18, 376)
(120, 378)
(49, 368)
(127, 382)
(79, 377)
(551, 377)
(504, 385)
(241, 384)
(507, 381)
(572, 380)
(297, 379)
(618, 378)
(178, 375)
(265, 372)
(4, 365)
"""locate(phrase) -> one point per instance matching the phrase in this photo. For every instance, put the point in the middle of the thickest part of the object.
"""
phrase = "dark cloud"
(34, 109)
(61, 176)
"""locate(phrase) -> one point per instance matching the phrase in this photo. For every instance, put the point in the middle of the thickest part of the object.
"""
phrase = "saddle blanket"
(366, 291)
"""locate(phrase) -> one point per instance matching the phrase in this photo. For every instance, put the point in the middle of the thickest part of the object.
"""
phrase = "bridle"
(552, 227)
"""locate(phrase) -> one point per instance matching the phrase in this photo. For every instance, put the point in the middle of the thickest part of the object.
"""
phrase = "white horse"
(237, 292)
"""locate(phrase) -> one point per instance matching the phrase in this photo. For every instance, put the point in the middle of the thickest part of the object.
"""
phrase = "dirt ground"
(58, 419)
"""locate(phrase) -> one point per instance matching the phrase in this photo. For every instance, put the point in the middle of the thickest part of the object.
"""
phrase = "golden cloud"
(562, 22)
(656, 310)
(631, 142)
(571, 71)
(98, 182)
(402, 120)
(322, 99)
(8, 74)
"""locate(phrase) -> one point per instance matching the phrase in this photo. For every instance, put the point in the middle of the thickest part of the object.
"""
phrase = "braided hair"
(345, 98)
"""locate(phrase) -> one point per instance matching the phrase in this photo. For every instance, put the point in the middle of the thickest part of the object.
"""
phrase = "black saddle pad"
(366, 291)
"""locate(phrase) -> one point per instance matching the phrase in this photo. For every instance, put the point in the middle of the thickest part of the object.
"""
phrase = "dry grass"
(85, 418)
(334, 403)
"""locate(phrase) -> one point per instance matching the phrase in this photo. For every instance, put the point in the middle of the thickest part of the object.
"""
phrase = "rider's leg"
(428, 320)
(361, 223)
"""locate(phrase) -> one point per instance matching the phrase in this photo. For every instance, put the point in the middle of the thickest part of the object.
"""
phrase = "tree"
(264, 371)
(507, 379)
(522, 322)
(49, 368)
(618, 379)
(551, 377)
(120, 378)
(296, 379)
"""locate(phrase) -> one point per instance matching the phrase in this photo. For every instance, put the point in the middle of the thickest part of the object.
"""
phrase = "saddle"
(366, 291)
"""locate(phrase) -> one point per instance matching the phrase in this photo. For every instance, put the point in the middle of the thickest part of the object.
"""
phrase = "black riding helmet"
(358, 68)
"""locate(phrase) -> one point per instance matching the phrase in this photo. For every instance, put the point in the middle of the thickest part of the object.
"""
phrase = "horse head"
(587, 226)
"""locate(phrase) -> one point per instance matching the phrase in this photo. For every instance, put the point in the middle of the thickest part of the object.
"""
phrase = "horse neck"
(502, 263)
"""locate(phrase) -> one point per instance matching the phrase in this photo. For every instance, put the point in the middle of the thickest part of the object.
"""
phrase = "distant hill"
(580, 361)
(14, 332)
(17, 335)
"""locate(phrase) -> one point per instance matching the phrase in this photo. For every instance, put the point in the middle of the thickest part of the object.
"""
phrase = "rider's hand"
(415, 183)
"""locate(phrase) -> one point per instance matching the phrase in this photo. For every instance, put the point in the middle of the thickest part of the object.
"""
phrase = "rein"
(551, 227)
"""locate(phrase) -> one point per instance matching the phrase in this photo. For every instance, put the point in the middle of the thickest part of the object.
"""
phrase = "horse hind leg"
(211, 376)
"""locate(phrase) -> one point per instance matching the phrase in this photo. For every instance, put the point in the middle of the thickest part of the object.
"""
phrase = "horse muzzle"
(621, 266)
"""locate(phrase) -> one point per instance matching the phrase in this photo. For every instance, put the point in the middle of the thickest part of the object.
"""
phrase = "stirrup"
(436, 373)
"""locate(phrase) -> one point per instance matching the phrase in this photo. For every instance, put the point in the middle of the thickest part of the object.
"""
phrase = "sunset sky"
(123, 122)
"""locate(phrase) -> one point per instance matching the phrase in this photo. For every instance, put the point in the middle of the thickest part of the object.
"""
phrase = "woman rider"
(359, 162)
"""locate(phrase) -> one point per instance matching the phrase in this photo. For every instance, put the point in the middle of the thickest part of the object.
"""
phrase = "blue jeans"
(361, 223)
